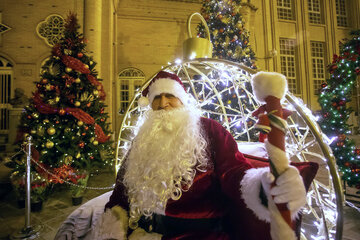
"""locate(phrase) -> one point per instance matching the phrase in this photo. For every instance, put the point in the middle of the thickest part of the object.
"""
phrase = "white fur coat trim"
(278, 157)
(167, 85)
(266, 84)
(141, 234)
(250, 189)
(113, 224)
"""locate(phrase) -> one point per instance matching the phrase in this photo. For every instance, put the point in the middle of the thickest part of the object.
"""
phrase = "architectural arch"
(128, 82)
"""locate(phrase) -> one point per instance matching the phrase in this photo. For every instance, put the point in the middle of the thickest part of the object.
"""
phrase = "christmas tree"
(334, 94)
(230, 41)
(228, 35)
(66, 115)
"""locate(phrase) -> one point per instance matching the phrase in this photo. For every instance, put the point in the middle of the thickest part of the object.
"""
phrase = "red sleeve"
(119, 197)
(230, 165)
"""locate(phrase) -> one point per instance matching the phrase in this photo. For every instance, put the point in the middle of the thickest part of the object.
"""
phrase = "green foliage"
(66, 116)
(333, 98)
(228, 35)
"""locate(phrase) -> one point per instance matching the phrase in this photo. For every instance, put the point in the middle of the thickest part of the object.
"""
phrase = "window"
(285, 9)
(318, 64)
(6, 72)
(315, 12)
(130, 82)
(288, 63)
(341, 13)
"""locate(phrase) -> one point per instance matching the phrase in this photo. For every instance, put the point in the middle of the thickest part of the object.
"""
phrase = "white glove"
(289, 188)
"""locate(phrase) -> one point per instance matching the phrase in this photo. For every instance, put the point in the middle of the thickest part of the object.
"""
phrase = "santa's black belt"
(171, 226)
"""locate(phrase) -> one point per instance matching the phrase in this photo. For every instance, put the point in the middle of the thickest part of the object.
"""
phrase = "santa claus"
(183, 174)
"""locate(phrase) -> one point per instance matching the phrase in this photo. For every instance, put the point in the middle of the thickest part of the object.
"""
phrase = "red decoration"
(75, 64)
(81, 144)
(62, 112)
(69, 80)
(80, 55)
(323, 85)
(56, 51)
(100, 135)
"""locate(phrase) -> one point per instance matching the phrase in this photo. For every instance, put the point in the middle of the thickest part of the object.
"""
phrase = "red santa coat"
(215, 193)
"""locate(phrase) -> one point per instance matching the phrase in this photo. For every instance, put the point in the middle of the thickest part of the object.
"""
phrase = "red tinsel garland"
(76, 112)
(75, 64)
(100, 135)
(95, 82)
(80, 115)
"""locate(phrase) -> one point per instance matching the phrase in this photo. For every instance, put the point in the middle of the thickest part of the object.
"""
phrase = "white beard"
(163, 160)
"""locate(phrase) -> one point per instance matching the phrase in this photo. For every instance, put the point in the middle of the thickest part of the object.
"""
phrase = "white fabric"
(113, 224)
(256, 149)
(266, 84)
(79, 223)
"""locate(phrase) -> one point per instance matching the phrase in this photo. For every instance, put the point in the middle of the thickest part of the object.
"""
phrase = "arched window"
(130, 80)
(6, 73)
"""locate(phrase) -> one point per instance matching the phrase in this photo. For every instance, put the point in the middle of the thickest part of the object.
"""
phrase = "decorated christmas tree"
(335, 93)
(228, 35)
(66, 116)
(230, 42)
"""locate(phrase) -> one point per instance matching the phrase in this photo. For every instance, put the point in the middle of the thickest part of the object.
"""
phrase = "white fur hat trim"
(167, 85)
(266, 84)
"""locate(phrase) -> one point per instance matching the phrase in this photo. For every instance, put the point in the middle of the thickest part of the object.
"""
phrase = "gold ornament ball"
(33, 131)
(92, 139)
(68, 160)
(77, 80)
(68, 69)
(77, 104)
(86, 66)
(49, 144)
(95, 143)
(51, 131)
(96, 92)
(48, 87)
(78, 155)
(229, 102)
(57, 99)
(80, 123)
(46, 120)
(35, 115)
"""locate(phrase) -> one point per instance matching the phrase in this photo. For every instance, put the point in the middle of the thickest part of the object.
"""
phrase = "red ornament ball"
(81, 144)
(80, 55)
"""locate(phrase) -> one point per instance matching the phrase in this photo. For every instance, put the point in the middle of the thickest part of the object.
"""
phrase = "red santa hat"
(164, 82)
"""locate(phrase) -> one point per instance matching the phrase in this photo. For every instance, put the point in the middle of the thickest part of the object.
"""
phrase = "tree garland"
(334, 94)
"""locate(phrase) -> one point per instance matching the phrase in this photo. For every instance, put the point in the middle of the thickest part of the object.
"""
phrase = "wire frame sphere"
(222, 90)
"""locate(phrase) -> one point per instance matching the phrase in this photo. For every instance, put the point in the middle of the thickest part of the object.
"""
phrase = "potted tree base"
(80, 179)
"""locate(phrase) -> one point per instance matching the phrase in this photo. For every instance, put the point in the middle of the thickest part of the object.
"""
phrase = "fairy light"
(238, 114)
